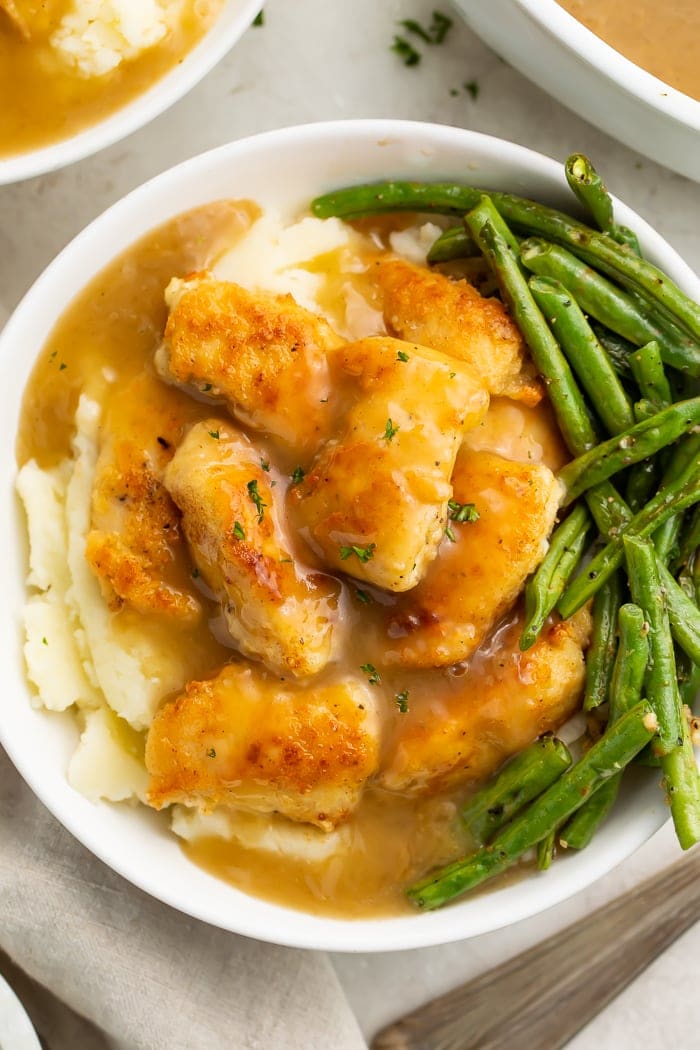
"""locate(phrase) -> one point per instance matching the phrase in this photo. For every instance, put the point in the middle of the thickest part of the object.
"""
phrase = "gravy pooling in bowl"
(661, 38)
(439, 730)
(52, 96)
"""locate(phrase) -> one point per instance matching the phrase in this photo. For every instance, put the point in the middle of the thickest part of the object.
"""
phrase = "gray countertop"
(330, 59)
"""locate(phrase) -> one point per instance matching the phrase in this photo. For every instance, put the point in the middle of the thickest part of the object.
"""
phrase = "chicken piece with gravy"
(274, 610)
(247, 740)
(374, 501)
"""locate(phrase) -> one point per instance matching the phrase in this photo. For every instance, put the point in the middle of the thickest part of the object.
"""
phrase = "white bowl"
(284, 169)
(551, 47)
(234, 19)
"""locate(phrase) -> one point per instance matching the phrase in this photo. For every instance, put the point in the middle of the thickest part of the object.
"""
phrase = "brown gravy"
(50, 101)
(106, 339)
(664, 39)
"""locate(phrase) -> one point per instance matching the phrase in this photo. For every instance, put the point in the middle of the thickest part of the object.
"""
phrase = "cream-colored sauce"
(662, 38)
(105, 339)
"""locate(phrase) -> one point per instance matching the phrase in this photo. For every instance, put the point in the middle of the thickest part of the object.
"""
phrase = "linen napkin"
(80, 940)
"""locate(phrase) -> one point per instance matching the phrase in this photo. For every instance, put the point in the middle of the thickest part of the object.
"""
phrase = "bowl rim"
(235, 17)
(634, 80)
(304, 930)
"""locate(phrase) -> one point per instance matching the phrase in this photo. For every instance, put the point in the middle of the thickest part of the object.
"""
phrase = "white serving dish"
(234, 19)
(548, 45)
(283, 169)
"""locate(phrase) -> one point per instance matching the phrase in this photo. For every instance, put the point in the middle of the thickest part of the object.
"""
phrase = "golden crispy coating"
(135, 534)
(383, 485)
(274, 611)
(507, 700)
(453, 317)
(262, 354)
(245, 739)
(476, 579)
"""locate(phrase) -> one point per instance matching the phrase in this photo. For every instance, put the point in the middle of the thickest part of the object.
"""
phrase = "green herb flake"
(211, 753)
(406, 51)
(195, 574)
(413, 26)
(206, 388)
(402, 701)
(402, 356)
(365, 554)
(44, 641)
(238, 531)
(450, 535)
(373, 676)
(390, 430)
(62, 366)
(298, 475)
(363, 596)
(473, 88)
(439, 27)
(462, 511)
(259, 19)
(265, 464)
(257, 499)
(214, 434)
(452, 375)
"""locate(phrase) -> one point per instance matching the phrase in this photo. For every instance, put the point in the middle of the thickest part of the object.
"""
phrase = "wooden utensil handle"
(545, 995)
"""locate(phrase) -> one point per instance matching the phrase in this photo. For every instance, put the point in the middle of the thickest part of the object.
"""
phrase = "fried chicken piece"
(374, 501)
(134, 540)
(476, 579)
(454, 318)
(504, 702)
(274, 611)
(245, 739)
(262, 354)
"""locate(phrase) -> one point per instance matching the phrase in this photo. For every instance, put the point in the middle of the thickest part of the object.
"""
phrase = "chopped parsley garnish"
(363, 553)
(472, 86)
(195, 574)
(206, 388)
(285, 561)
(214, 434)
(44, 642)
(363, 596)
(265, 464)
(436, 31)
(238, 531)
(413, 26)
(450, 535)
(462, 511)
(406, 51)
(298, 475)
(402, 356)
(62, 366)
(371, 671)
(211, 753)
(402, 701)
(452, 375)
(389, 430)
(257, 499)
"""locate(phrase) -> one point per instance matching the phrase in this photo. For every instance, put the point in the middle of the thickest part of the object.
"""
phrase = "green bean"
(485, 212)
(568, 404)
(584, 353)
(615, 749)
(453, 243)
(638, 443)
(648, 369)
(683, 614)
(589, 189)
(671, 500)
(600, 658)
(523, 778)
(546, 585)
(690, 539)
(685, 454)
(609, 510)
(625, 692)
(545, 851)
(689, 683)
(578, 832)
(661, 682)
(528, 217)
(641, 483)
(609, 305)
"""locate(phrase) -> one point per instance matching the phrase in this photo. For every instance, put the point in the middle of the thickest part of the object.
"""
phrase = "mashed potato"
(96, 36)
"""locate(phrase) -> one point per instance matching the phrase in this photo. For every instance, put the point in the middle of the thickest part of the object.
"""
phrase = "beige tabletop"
(329, 59)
